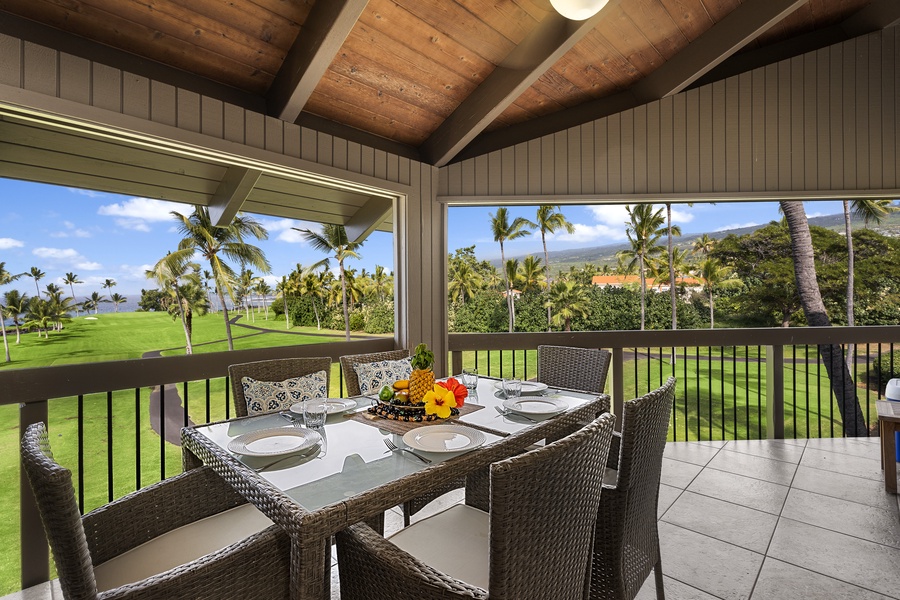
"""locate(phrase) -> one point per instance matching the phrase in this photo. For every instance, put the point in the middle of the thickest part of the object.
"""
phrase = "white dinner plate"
(528, 387)
(332, 405)
(275, 441)
(536, 406)
(443, 438)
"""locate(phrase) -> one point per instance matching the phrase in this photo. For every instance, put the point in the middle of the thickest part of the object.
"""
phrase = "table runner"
(401, 427)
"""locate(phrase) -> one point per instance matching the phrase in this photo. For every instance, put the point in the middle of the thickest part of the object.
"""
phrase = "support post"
(618, 385)
(775, 392)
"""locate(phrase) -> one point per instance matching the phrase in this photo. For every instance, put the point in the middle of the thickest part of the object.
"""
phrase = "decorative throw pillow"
(375, 375)
(270, 396)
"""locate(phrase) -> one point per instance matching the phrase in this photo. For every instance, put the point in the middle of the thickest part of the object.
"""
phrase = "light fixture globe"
(578, 10)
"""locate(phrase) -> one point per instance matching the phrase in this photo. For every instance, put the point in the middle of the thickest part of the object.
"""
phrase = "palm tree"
(96, 300)
(14, 303)
(333, 239)
(671, 232)
(313, 284)
(214, 243)
(6, 278)
(645, 227)
(568, 299)
(245, 284)
(704, 244)
(168, 272)
(381, 281)
(118, 299)
(870, 210)
(58, 306)
(71, 279)
(842, 383)
(512, 278)
(207, 277)
(548, 221)
(503, 231)
(712, 272)
(464, 280)
(39, 315)
(109, 284)
(37, 275)
(532, 274)
(263, 289)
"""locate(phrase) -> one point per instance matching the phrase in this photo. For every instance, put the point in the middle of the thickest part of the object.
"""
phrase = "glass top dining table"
(353, 476)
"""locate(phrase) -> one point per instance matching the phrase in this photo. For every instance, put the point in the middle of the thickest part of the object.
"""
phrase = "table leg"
(889, 456)
(310, 572)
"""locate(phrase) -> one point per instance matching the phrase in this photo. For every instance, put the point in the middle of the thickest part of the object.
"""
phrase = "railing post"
(618, 385)
(775, 392)
(34, 550)
(456, 363)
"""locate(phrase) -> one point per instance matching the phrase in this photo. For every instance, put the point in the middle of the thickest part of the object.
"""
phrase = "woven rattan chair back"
(274, 370)
(349, 362)
(543, 507)
(573, 368)
(626, 543)
(55, 497)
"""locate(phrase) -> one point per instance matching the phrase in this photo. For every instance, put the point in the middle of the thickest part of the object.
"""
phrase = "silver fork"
(509, 413)
(394, 448)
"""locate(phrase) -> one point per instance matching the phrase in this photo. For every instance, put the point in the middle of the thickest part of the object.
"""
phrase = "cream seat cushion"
(180, 546)
(455, 542)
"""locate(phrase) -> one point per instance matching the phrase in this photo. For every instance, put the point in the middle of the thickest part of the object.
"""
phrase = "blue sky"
(102, 236)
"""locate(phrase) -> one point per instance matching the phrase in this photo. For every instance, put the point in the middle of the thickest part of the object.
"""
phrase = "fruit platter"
(419, 398)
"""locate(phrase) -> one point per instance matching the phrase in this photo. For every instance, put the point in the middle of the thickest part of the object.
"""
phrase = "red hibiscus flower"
(458, 389)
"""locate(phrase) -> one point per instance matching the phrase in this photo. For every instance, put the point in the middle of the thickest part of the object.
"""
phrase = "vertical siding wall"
(420, 222)
(822, 122)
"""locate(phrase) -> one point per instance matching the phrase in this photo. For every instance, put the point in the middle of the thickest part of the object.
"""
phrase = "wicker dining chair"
(573, 368)
(534, 544)
(190, 536)
(349, 362)
(626, 541)
(278, 369)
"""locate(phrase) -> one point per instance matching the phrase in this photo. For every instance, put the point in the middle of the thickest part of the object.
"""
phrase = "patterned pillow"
(375, 375)
(270, 396)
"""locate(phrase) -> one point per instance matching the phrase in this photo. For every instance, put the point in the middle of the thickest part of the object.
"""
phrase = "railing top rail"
(42, 383)
(770, 336)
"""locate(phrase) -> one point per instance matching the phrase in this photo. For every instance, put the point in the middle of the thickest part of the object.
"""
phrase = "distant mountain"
(561, 260)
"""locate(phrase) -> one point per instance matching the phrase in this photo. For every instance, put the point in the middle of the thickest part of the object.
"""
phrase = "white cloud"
(285, 229)
(66, 257)
(137, 213)
(737, 226)
(66, 254)
(89, 193)
(79, 233)
(7, 243)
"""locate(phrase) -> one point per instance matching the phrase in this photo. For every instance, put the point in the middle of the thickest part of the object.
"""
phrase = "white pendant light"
(578, 10)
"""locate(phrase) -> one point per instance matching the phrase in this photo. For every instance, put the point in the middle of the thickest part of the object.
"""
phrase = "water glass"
(512, 388)
(469, 378)
(314, 413)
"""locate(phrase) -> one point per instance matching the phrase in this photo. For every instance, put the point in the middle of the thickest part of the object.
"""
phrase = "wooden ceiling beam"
(874, 17)
(367, 219)
(233, 190)
(320, 39)
(547, 43)
(720, 41)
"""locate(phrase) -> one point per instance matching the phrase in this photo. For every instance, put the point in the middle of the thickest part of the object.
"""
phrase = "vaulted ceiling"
(439, 80)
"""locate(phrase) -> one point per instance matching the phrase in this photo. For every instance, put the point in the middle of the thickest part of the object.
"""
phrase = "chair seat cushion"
(455, 542)
(180, 546)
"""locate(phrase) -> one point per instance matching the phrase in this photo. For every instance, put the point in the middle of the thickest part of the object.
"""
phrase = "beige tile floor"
(759, 519)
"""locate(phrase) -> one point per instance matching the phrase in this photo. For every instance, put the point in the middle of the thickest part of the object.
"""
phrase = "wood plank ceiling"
(398, 69)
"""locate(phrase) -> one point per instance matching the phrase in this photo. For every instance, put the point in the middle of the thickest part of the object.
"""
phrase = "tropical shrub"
(379, 317)
(887, 367)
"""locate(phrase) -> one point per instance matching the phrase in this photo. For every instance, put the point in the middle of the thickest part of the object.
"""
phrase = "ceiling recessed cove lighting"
(578, 10)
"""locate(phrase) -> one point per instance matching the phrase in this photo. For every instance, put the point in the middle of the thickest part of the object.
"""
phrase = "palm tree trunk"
(265, 306)
(712, 324)
(72, 289)
(848, 228)
(5, 342)
(18, 333)
(643, 290)
(188, 348)
(549, 279)
(225, 316)
(344, 300)
(842, 383)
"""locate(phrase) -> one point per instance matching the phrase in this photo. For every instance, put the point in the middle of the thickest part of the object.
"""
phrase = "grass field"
(721, 395)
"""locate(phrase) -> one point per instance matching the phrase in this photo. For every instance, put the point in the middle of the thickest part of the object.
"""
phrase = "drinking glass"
(469, 379)
(314, 413)
(512, 388)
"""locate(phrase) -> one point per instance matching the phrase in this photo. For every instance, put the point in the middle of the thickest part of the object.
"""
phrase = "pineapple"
(422, 379)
